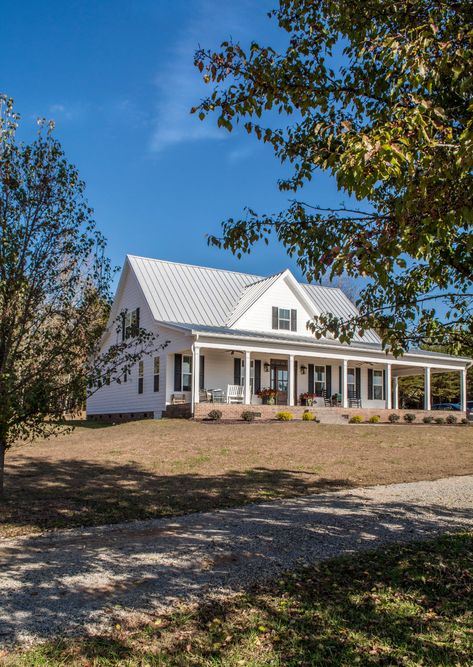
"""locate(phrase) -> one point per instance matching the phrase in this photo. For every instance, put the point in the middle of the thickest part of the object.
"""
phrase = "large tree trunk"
(3, 448)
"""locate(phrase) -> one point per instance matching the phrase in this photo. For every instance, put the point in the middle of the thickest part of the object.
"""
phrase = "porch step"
(181, 411)
(330, 416)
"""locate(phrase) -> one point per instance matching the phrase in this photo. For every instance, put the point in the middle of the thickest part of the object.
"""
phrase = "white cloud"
(179, 83)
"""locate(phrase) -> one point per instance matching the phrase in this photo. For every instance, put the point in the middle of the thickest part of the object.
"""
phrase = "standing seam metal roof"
(184, 293)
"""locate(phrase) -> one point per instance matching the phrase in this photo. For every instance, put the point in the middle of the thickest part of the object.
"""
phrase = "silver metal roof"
(183, 293)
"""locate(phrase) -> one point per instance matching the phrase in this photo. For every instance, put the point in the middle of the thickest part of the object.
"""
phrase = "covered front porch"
(328, 377)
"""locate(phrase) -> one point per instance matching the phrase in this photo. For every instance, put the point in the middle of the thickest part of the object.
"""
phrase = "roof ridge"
(273, 275)
(198, 266)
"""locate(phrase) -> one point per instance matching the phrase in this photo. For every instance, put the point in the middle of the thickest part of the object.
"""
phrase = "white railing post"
(195, 374)
(344, 387)
(290, 380)
(427, 388)
(463, 390)
(396, 392)
(247, 381)
(388, 397)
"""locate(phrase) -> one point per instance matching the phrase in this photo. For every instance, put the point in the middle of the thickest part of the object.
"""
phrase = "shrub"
(374, 419)
(451, 419)
(439, 420)
(428, 419)
(215, 415)
(409, 417)
(249, 415)
(356, 419)
(284, 416)
(394, 418)
(465, 420)
(308, 416)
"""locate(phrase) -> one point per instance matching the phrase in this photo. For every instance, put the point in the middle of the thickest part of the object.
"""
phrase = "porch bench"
(178, 399)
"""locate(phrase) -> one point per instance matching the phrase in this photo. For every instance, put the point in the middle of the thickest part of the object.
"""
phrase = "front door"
(279, 379)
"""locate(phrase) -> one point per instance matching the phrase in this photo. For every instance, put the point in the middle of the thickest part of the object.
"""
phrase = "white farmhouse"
(232, 335)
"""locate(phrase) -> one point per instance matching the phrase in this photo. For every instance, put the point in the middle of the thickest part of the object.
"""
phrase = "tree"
(54, 290)
(392, 119)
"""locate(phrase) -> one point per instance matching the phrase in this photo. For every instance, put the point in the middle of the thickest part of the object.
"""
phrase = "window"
(351, 382)
(378, 385)
(186, 372)
(140, 376)
(130, 323)
(156, 374)
(319, 380)
(284, 319)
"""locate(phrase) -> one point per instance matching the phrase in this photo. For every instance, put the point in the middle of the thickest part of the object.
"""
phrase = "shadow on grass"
(41, 494)
(405, 605)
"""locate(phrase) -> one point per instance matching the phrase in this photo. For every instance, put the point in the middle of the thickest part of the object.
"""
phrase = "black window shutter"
(236, 370)
(275, 317)
(311, 379)
(156, 383)
(358, 382)
(178, 372)
(384, 386)
(137, 321)
(202, 372)
(123, 326)
(340, 387)
(257, 375)
(293, 320)
(370, 384)
(328, 381)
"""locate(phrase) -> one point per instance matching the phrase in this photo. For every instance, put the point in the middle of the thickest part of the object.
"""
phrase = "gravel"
(83, 580)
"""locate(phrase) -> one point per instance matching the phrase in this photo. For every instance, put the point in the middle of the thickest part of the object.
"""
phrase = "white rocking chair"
(235, 393)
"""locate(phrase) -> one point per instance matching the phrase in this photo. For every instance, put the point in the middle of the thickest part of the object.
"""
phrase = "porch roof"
(226, 332)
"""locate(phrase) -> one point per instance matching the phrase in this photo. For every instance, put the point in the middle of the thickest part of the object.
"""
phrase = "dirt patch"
(150, 468)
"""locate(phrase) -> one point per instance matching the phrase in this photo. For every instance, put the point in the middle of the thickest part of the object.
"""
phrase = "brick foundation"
(120, 416)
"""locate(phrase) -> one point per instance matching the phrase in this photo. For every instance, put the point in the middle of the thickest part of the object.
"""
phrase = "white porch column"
(195, 373)
(396, 392)
(344, 387)
(290, 380)
(247, 383)
(463, 389)
(388, 396)
(427, 388)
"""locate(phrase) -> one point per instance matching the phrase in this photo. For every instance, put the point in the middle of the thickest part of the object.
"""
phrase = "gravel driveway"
(75, 580)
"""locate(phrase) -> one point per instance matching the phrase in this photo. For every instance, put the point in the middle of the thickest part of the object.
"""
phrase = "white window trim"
(185, 374)
(378, 375)
(323, 382)
(286, 320)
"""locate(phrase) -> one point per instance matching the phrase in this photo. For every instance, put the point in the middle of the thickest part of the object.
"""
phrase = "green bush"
(284, 416)
(451, 419)
(439, 420)
(394, 418)
(428, 419)
(409, 417)
(356, 419)
(375, 419)
(465, 420)
(215, 415)
(308, 416)
(249, 415)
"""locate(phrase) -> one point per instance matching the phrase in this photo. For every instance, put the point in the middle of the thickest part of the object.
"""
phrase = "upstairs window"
(284, 319)
(130, 323)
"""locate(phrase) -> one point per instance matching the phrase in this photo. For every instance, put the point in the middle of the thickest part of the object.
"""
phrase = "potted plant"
(267, 395)
(307, 398)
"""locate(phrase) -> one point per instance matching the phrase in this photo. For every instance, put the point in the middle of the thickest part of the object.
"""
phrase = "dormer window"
(284, 319)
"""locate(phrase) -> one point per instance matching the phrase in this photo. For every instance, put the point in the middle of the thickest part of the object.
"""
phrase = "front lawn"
(406, 605)
(159, 468)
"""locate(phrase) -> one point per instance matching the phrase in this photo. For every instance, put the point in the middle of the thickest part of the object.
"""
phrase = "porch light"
(266, 367)
(303, 370)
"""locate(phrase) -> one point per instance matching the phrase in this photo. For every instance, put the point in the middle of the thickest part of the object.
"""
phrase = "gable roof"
(183, 293)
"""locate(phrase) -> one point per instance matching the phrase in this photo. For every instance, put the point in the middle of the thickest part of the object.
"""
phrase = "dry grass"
(105, 474)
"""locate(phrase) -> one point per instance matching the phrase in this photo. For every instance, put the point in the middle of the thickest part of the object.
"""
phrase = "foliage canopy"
(379, 94)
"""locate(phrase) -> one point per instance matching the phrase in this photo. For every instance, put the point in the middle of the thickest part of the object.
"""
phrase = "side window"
(140, 377)
(156, 374)
(186, 372)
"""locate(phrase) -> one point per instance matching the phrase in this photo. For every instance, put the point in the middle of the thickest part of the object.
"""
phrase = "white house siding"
(259, 316)
(124, 398)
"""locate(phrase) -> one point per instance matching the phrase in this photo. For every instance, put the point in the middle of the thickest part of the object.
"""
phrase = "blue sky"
(118, 79)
